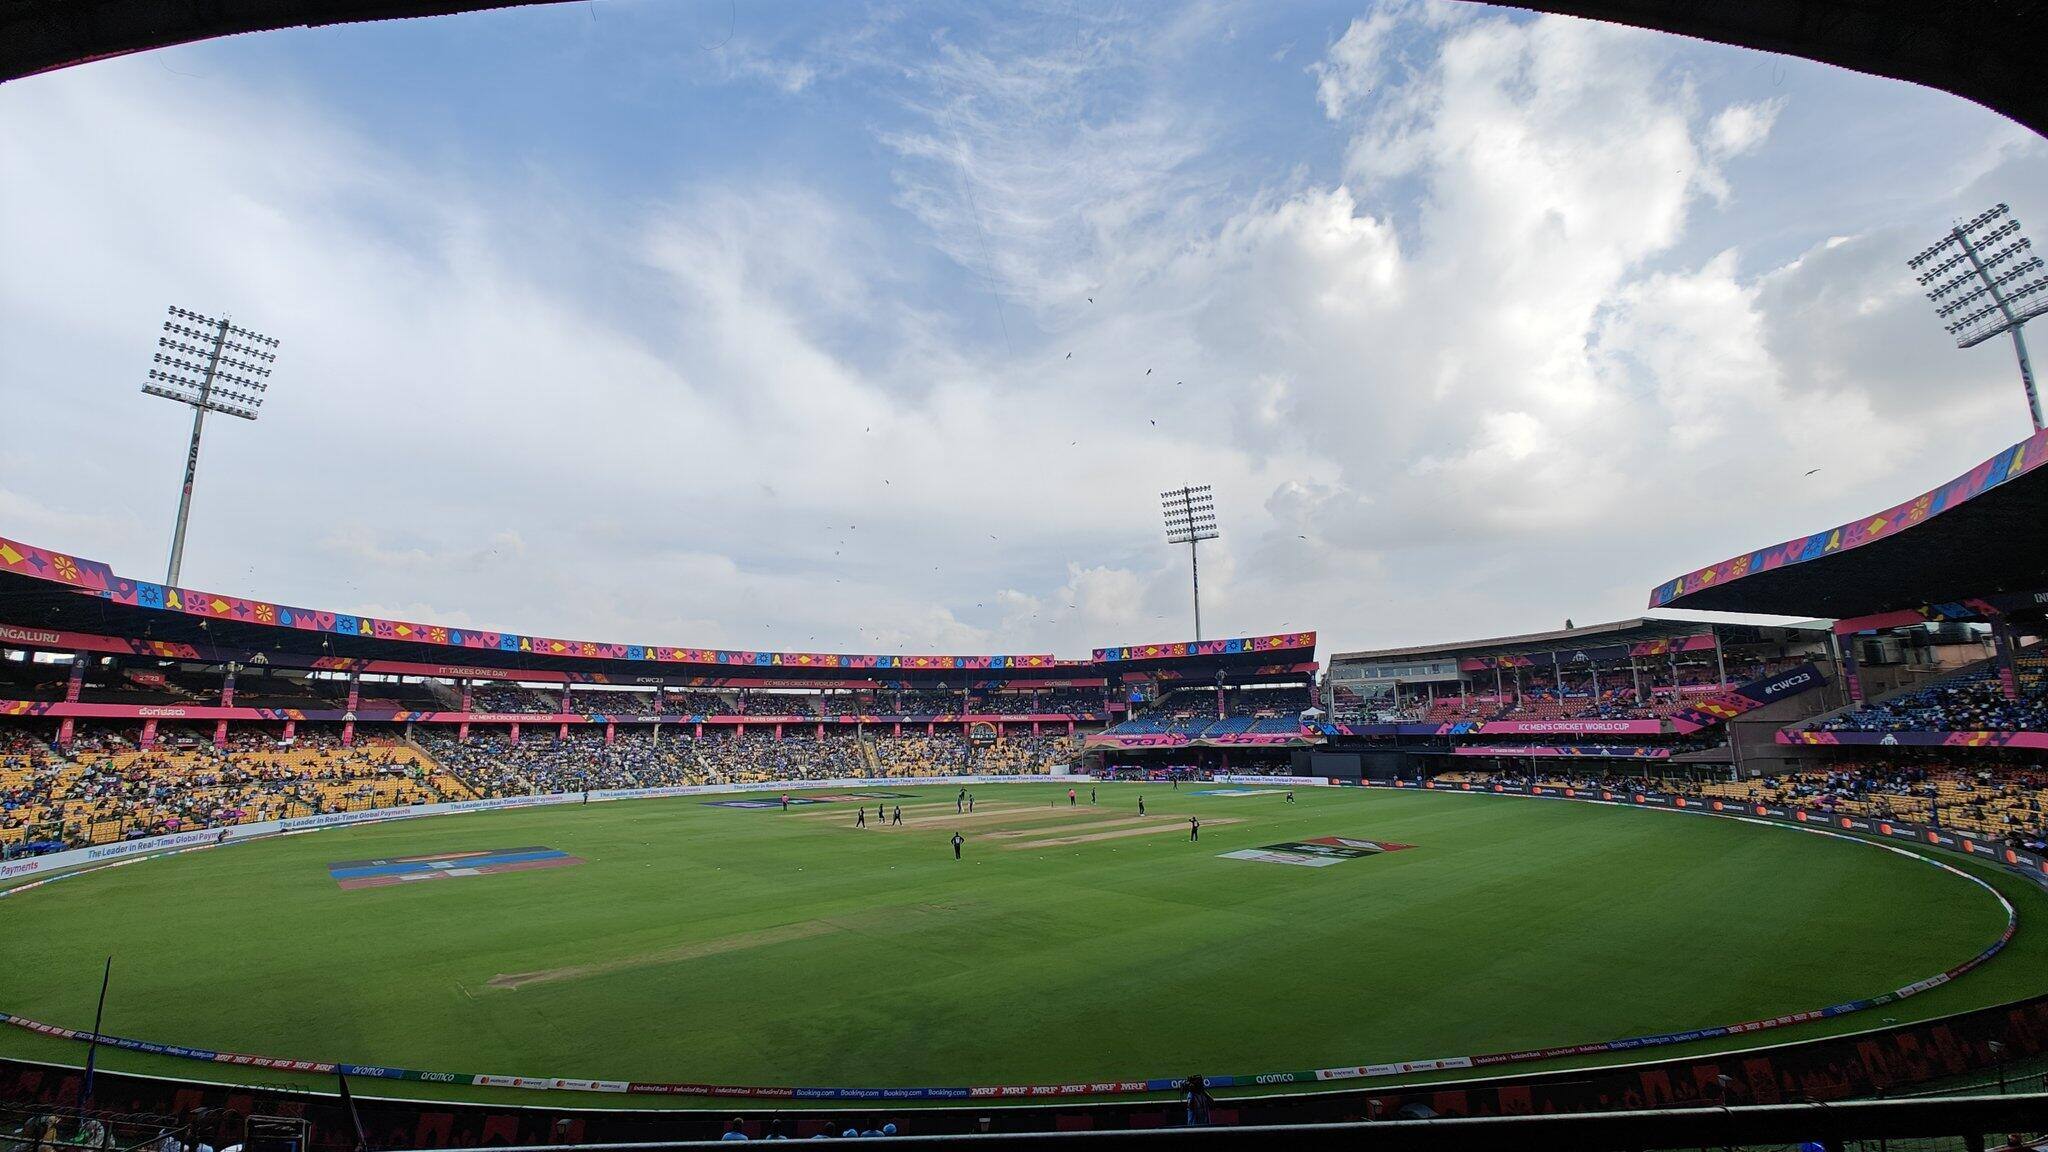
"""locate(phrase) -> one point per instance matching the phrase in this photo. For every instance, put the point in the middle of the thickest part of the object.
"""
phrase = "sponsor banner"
(58, 640)
(1720, 707)
(1599, 751)
(1276, 856)
(1170, 1084)
(351, 875)
(1241, 792)
(1229, 738)
(1139, 740)
(1563, 727)
(1502, 728)
(1320, 852)
(1287, 781)
(458, 671)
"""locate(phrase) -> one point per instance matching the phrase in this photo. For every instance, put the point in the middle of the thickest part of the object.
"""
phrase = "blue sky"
(879, 327)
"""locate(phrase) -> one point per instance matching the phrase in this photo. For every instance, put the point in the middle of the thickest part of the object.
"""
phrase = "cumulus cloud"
(1430, 320)
(1741, 128)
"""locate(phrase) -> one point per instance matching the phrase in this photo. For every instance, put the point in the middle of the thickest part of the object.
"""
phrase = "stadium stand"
(2007, 804)
(108, 789)
(1197, 714)
(513, 698)
(1970, 701)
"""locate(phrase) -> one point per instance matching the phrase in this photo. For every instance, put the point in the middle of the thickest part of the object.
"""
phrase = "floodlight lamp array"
(1989, 282)
(201, 366)
(1190, 514)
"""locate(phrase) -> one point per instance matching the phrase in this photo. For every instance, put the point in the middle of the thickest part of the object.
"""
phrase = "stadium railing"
(1977, 1123)
(29, 1128)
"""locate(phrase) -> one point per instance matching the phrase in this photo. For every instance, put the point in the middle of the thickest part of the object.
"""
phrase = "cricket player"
(958, 840)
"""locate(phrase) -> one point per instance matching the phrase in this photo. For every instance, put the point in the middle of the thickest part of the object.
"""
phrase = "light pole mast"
(225, 374)
(2001, 287)
(1190, 519)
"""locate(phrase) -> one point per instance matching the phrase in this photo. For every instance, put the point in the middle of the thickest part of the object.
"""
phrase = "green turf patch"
(695, 947)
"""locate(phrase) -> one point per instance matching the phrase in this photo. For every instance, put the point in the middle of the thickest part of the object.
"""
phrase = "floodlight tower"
(225, 373)
(1999, 291)
(1190, 519)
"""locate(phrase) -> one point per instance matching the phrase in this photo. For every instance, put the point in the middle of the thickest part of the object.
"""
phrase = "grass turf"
(705, 944)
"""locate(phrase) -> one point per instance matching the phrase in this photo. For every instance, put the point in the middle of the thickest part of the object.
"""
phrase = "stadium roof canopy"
(1983, 50)
(1983, 534)
(1640, 630)
(57, 593)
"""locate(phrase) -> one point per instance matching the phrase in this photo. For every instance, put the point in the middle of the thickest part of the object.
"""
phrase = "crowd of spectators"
(490, 764)
(1972, 702)
(107, 788)
(513, 698)
(1192, 713)
(699, 703)
(2001, 803)
(1060, 701)
(1540, 693)
(110, 790)
(753, 757)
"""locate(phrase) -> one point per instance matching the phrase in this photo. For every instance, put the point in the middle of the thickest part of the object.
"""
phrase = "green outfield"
(701, 944)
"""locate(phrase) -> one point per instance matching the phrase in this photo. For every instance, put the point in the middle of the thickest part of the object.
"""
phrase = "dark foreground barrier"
(1822, 1072)
(2007, 1118)
(1976, 1123)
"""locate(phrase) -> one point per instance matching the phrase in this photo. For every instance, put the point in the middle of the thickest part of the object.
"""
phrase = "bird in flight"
(1811, 471)
(1148, 371)
(1070, 355)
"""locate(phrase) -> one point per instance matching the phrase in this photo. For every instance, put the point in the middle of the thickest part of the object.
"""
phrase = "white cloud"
(1741, 128)
(1457, 372)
